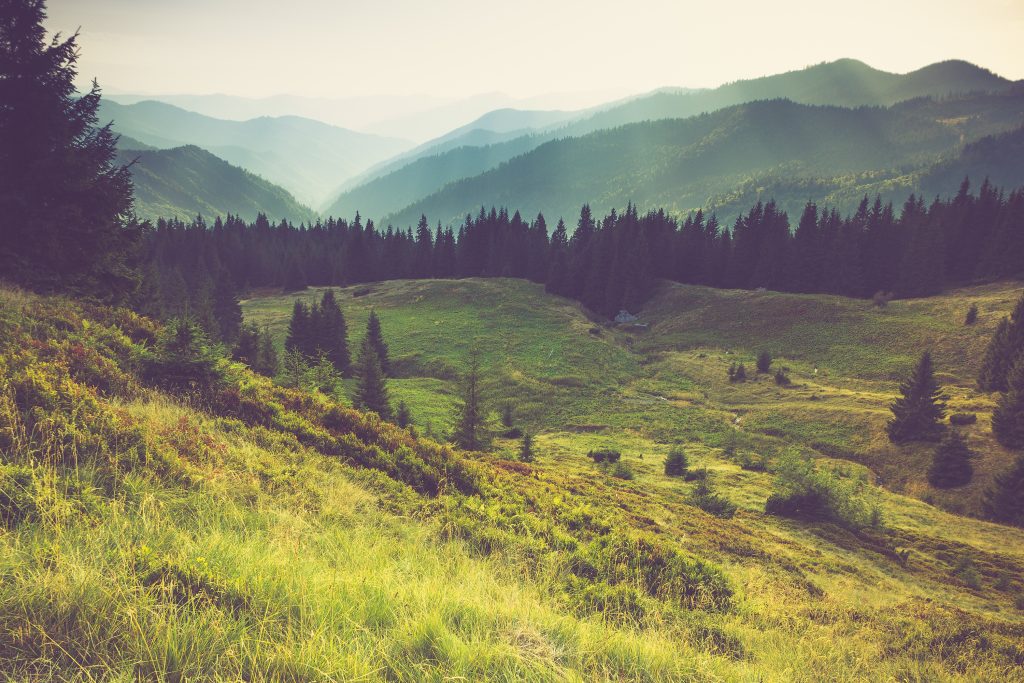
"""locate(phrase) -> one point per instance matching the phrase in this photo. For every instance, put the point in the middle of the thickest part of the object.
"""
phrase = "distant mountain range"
(704, 161)
(830, 132)
(306, 157)
(482, 145)
(184, 182)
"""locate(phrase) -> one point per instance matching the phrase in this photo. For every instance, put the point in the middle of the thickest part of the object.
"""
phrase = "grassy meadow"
(264, 534)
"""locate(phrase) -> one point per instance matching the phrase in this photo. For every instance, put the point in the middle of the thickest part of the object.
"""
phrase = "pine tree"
(300, 333)
(333, 337)
(1004, 502)
(764, 361)
(996, 362)
(676, 463)
(468, 431)
(227, 310)
(951, 463)
(371, 389)
(918, 413)
(1003, 349)
(184, 361)
(402, 416)
(376, 337)
(68, 222)
(295, 370)
(1008, 417)
(526, 448)
(247, 345)
(266, 358)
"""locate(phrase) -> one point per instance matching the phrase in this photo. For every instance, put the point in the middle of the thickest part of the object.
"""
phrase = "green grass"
(277, 536)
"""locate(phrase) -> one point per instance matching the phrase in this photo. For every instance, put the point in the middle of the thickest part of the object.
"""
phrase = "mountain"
(679, 164)
(850, 83)
(408, 116)
(1000, 158)
(185, 181)
(306, 157)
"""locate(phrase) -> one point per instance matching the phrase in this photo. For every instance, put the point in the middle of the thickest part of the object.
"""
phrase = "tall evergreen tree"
(1004, 502)
(918, 412)
(1008, 417)
(376, 339)
(371, 389)
(67, 220)
(468, 431)
(995, 365)
(300, 330)
(1006, 345)
(951, 463)
(333, 337)
(227, 310)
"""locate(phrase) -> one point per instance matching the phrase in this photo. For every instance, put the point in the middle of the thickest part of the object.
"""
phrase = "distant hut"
(625, 316)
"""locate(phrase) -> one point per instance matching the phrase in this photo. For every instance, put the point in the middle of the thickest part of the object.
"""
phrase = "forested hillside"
(453, 157)
(680, 164)
(185, 182)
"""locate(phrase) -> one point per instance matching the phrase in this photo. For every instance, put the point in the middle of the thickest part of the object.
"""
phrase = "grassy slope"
(225, 549)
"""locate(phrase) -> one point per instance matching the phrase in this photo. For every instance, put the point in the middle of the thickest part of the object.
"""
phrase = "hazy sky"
(338, 48)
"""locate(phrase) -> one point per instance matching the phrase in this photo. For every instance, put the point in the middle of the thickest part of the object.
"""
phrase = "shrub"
(751, 463)
(676, 463)
(764, 361)
(704, 497)
(604, 455)
(972, 315)
(881, 299)
(804, 491)
(968, 573)
(781, 378)
(699, 474)
(737, 373)
(184, 361)
(620, 470)
(961, 419)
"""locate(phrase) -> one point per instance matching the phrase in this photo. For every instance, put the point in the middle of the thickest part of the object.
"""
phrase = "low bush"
(781, 378)
(620, 470)
(676, 463)
(704, 497)
(604, 455)
(805, 491)
(961, 419)
(698, 474)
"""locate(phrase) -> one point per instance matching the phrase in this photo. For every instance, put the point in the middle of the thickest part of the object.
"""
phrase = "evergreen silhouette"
(376, 339)
(68, 223)
(300, 338)
(1006, 345)
(468, 430)
(1004, 502)
(918, 412)
(612, 262)
(526, 453)
(371, 389)
(951, 463)
(676, 463)
(1008, 417)
(402, 416)
(332, 335)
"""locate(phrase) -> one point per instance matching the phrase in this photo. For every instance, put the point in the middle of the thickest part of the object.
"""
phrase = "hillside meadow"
(261, 533)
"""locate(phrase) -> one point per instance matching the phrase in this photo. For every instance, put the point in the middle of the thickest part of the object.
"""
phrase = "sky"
(523, 48)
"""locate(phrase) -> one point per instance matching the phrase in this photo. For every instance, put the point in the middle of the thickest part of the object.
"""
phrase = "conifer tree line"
(607, 263)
